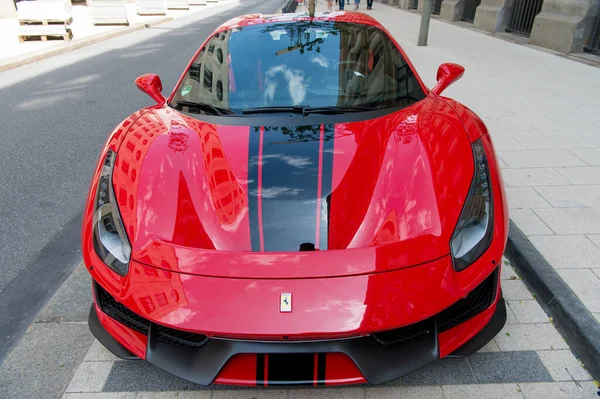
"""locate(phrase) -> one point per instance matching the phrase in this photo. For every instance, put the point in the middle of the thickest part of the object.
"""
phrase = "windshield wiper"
(305, 110)
(296, 109)
(203, 106)
(334, 110)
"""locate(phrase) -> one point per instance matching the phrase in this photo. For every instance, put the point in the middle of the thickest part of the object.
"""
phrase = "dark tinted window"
(208, 79)
(316, 64)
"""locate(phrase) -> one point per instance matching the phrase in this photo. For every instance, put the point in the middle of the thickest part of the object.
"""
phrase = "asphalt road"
(55, 115)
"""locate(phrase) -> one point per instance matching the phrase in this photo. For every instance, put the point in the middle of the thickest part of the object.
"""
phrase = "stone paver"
(527, 311)
(571, 196)
(595, 238)
(488, 391)
(515, 290)
(530, 223)
(562, 390)
(340, 393)
(254, 394)
(515, 337)
(90, 377)
(525, 197)
(571, 220)
(174, 395)
(107, 395)
(563, 366)
(430, 392)
(581, 175)
(533, 177)
(590, 156)
(540, 158)
(568, 252)
(586, 284)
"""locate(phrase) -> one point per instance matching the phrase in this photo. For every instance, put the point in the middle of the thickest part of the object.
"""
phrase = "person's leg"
(341, 4)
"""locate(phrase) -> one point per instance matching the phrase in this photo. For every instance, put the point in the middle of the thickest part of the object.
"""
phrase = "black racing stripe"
(254, 138)
(260, 369)
(294, 368)
(326, 183)
(321, 366)
(289, 186)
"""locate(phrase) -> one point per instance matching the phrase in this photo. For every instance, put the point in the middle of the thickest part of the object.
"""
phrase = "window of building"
(208, 79)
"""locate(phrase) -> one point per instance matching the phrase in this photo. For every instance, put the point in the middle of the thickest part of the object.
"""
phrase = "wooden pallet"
(44, 38)
(45, 21)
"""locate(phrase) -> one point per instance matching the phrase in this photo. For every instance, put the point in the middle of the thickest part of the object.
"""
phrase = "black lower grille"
(406, 335)
(123, 315)
(181, 339)
(478, 300)
(119, 312)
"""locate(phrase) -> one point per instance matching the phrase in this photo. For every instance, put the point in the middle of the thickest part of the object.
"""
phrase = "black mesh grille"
(123, 315)
(119, 312)
(181, 339)
(476, 302)
(405, 335)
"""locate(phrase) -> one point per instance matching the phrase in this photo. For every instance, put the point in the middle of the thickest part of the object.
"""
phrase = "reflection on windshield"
(295, 84)
(307, 63)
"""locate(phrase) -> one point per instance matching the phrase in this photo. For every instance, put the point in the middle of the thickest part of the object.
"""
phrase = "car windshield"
(298, 64)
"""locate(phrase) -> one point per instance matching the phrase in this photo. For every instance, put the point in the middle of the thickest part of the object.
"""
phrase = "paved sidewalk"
(527, 359)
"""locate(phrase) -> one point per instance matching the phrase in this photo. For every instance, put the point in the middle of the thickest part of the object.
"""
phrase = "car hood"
(293, 201)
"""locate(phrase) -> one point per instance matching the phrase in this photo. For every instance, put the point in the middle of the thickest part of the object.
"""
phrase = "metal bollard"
(425, 18)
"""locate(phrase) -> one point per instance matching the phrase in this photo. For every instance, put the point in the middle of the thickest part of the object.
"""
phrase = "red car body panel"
(397, 188)
(414, 226)
(241, 370)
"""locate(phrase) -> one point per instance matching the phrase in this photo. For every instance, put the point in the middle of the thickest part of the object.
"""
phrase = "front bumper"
(464, 327)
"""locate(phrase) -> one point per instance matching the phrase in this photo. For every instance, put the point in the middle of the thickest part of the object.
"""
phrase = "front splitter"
(376, 362)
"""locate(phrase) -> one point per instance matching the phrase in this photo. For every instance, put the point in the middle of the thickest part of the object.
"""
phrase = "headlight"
(110, 240)
(473, 233)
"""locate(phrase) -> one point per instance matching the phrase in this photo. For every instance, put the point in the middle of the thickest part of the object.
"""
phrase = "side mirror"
(446, 75)
(151, 85)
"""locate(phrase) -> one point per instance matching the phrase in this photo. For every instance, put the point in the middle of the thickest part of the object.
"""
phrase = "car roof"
(336, 16)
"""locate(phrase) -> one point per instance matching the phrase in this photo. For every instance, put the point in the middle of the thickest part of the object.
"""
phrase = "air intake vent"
(405, 335)
(119, 312)
(181, 339)
(478, 300)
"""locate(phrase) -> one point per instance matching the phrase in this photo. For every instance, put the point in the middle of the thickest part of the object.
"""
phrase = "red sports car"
(302, 209)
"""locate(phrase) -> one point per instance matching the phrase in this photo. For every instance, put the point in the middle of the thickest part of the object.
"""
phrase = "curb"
(569, 315)
(28, 59)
